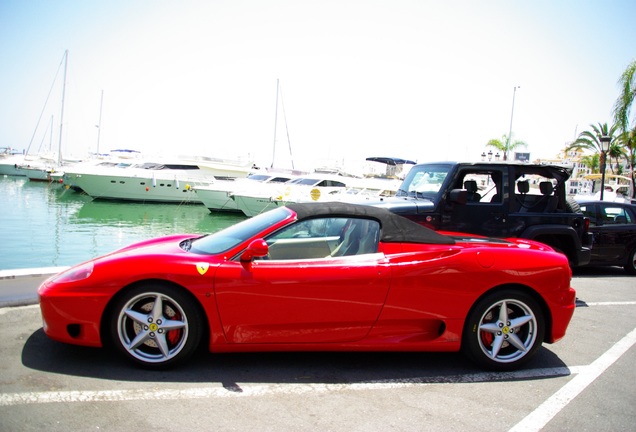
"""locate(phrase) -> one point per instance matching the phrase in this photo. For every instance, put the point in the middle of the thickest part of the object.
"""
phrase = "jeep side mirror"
(458, 196)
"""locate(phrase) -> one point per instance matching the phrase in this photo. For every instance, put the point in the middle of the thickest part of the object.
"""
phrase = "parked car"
(316, 277)
(614, 227)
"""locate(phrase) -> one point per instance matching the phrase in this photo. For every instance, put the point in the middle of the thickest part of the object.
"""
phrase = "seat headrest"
(523, 186)
(546, 188)
(470, 185)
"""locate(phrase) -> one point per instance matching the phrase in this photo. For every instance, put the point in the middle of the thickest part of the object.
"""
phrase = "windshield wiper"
(421, 195)
(414, 194)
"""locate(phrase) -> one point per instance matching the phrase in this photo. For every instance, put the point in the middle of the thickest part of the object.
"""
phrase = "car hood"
(123, 266)
(160, 244)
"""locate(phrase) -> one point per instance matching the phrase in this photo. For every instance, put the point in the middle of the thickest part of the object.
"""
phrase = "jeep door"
(485, 211)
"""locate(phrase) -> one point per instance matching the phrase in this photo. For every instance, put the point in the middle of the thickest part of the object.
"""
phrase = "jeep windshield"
(424, 181)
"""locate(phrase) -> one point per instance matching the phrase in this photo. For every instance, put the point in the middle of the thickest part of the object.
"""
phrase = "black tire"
(630, 265)
(156, 326)
(491, 338)
(572, 206)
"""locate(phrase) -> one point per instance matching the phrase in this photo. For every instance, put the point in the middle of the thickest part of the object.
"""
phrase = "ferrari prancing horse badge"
(202, 267)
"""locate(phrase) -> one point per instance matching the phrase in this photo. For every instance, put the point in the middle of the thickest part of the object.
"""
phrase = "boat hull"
(37, 174)
(11, 166)
(254, 205)
(217, 197)
(136, 188)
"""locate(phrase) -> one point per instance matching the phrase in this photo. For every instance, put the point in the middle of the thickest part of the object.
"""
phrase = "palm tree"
(617, 153)
(592, 162)
(591, 140)
(622, 108)
(505, 145)
(627, 141)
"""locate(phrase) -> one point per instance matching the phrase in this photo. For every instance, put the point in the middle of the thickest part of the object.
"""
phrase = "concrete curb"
(34, 272)
(28, 280)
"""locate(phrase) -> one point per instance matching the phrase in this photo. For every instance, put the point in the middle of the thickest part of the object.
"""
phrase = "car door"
(590, 211)
(614, 230)
(301, 301)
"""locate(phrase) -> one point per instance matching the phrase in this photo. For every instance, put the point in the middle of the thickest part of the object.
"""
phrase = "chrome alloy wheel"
(507, 331)
(152, 327)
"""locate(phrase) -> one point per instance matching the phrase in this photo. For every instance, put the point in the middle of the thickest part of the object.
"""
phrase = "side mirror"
(458, 196)
(257, 248)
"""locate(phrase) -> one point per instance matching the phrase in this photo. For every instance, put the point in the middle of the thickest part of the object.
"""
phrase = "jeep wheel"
(572, 206)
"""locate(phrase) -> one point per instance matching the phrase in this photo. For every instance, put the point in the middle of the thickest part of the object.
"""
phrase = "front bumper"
(71, 318)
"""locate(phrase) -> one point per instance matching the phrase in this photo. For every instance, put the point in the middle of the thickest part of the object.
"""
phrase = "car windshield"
(424, 181)
(231, 237)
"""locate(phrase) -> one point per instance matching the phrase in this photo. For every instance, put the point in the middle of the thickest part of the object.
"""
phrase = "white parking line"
(621, 303)
(537, 419)
(8, 399)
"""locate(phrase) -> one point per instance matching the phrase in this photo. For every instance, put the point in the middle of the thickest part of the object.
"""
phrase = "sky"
(418, 79)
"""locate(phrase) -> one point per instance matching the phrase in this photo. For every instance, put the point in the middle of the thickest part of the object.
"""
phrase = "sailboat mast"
(51, 136)
(275, 124)
(99, 124)
(59, 150)
(282, 103)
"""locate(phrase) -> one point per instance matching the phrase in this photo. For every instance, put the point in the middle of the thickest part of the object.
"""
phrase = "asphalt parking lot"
(584, 382)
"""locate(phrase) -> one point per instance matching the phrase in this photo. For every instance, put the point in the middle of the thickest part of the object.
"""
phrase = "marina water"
(46, 225)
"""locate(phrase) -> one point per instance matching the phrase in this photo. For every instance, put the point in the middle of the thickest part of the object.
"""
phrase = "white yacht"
(217, 197)
(165, 181)
(40, 167)
(326, 184)
(382, 178)
(10, 161)
(317, 186)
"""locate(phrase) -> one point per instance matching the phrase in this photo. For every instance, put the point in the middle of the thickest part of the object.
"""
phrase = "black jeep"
(496, 200)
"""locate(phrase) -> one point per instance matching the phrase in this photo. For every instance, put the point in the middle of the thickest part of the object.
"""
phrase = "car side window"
(324, 238)
(589, 212)
(358, 237)
(615, 216)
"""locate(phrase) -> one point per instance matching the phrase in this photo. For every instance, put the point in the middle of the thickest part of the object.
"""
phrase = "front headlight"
(82, 271)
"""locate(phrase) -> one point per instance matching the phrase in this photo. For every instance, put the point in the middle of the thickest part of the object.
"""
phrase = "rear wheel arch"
(527, 291)
(563, 239)
(559, 243)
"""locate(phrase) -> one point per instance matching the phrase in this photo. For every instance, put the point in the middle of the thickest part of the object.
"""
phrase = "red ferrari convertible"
(329, 276)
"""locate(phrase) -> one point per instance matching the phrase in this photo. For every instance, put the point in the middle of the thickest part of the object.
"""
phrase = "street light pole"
(512, 113)
(605, 145)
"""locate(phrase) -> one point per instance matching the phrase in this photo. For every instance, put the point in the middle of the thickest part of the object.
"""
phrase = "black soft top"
(393, 227)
